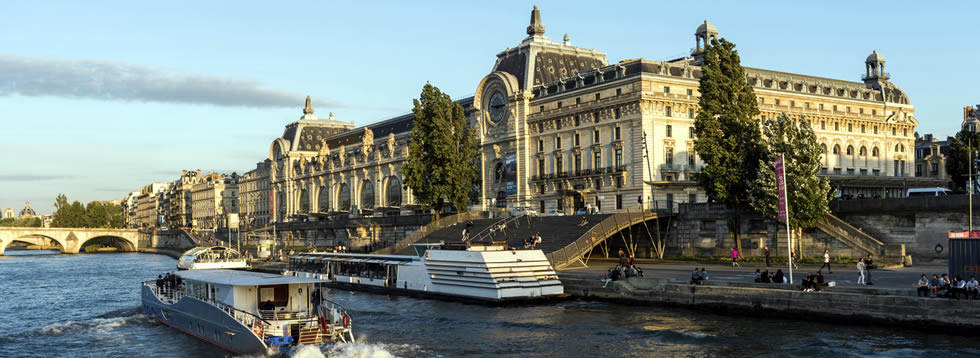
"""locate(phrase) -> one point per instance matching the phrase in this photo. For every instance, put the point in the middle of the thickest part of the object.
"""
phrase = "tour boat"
(210, 258)
(248, 312)
(489, 273)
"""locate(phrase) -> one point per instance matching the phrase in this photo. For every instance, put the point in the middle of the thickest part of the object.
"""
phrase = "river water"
(88, 306)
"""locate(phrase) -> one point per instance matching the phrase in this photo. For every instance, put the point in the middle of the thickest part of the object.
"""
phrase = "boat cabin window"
(363, 270)
(273, 296)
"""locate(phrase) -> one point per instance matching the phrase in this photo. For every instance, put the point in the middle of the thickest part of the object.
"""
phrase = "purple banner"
(781, 187)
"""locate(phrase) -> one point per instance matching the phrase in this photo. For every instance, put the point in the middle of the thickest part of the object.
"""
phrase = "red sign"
(781, 187)
(964, 234)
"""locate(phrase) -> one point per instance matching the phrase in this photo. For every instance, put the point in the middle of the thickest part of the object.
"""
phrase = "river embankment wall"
(848, 307)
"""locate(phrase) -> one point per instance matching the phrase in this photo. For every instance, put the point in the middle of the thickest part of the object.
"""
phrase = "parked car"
(582, 211)
(523, 210)
(555, 213)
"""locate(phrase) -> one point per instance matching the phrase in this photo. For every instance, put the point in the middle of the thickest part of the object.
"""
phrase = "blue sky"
(100, 98)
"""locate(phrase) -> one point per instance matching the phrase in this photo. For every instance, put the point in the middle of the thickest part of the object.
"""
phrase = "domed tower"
(702, 38)
(875, 67)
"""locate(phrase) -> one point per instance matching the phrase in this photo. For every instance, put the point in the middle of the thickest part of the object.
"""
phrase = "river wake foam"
(353, 350)
(96, 325)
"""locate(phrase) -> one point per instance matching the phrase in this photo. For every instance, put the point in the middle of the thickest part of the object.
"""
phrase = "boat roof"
(242, 278)
(202, 249)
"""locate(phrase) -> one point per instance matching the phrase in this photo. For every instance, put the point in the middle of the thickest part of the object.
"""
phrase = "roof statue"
(308, 110)
(309, 106)
(566, 40)
(535, 28)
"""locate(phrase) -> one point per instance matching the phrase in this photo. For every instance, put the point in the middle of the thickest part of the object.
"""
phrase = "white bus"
(920, 192)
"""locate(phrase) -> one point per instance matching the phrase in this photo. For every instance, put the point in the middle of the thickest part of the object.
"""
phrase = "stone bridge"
(71, 240)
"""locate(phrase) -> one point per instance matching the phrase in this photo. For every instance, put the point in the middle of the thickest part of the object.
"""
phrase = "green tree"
(728, 140)
(441, 164)
(101, 214)
(957, 163)
(808, 195)
(68, 215)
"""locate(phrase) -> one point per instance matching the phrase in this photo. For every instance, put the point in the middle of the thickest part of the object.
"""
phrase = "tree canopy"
(957, 163)
(97, 214)
(808, 195)
(441, 164)
(728, 139)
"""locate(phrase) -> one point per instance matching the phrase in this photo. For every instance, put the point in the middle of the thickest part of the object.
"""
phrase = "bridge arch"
(71, 240)
(108, 240)
(32, 239)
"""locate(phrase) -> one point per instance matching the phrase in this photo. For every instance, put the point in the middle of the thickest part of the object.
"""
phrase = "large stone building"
(8, 213)
(148, 204)
(930, 158)
(212, 198)
(561, 128)
(178, 198)
(971, 117)
(255, 196)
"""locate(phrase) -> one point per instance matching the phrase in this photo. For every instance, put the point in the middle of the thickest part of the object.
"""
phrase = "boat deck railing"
(173, 296)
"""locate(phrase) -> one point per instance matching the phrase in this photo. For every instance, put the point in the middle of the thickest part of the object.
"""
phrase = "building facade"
(212, 198)
(148, 204)
(255, 196)
(178, 199)
(8, 213)
(930, 158)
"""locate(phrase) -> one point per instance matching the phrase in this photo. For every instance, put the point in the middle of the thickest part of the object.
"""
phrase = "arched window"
(304, 201)
(498, 173)
(343, 197)
(394, 191)
(874, 152)
(324, 200)
(836, 149)
(850, 150)
(367, 195)
(863, 151)
(823, 148)
(899, 148)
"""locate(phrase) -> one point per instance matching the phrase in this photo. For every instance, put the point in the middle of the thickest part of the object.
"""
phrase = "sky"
(100, 98)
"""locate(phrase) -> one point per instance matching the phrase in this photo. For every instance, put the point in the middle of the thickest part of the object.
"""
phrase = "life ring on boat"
(346, 320)
(257, 328)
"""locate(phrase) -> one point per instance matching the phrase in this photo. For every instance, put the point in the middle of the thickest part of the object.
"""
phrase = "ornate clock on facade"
(498, 107)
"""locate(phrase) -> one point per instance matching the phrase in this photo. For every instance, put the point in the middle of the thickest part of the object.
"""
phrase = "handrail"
(595, 235)
(431, 227)
(487, 231)
(178, 294)
(832, 224)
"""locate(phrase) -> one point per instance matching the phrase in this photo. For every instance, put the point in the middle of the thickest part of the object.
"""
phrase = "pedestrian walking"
(826, 262)
(861, 269)
(735, 258)
(766, 250)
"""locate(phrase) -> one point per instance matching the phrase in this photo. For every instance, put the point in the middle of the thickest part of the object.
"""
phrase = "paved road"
(844, 275)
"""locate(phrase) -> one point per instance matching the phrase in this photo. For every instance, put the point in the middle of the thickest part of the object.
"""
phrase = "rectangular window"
(777, 101)
(690, 132)
(598, 185)
(875, 129)
(559, 104)
(849, 127)
(577, 122)
(558, 124)
(619, 91)
(541, 170)
(690, 160)
(848, 109)
(905, 132)
(619, 158)
(596, 160)
(577, 143)
(861, 110)
(617, 134)
(619, 182)
(619, 201)
(669, 157)
(597, 96)
(690, 113)
(862, 128)
(666, 89)
(893, 132)
(558, 142)
(874, 112)
(578, 100)
(595, 117)
(540, 145)
(823, 125)
(667, 111)
(595, 137)
(560, 204)
(835, 108)
(690, 92)
(806, 105)
(836, 126)
(821, 106)
(540, 127)
(935, 169)
(792, 104)
(762, 100)
(577, 163)
(541, 206)
(559, 166)
(670, 131)
(541, 109)
(692, 198)
(619, 114)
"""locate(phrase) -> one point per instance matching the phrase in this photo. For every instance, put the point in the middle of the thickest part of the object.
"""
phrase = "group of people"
(533, 241)
(699, 276)
(945, 287)
(467, 230)
(168, 284)
(626, 268)
(767, 277)
(813, 282)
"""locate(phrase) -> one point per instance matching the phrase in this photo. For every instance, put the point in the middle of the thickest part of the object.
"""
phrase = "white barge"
(211, 258)
(247, 312)
(489, 273)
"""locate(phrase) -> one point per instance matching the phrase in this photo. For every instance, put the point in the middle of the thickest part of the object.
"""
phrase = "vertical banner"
(781, 187)
(510, 173)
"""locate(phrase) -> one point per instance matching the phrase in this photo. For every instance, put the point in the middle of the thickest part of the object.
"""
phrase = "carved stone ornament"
(368, 140)
(496, 151)
(324, 148)
(391, 143)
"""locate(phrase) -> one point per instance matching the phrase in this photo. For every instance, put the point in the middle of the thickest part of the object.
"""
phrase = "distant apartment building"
(212, 198)
(930, 157)
(148, 205)
(8, 213)
(254, 196)
(179, 211)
